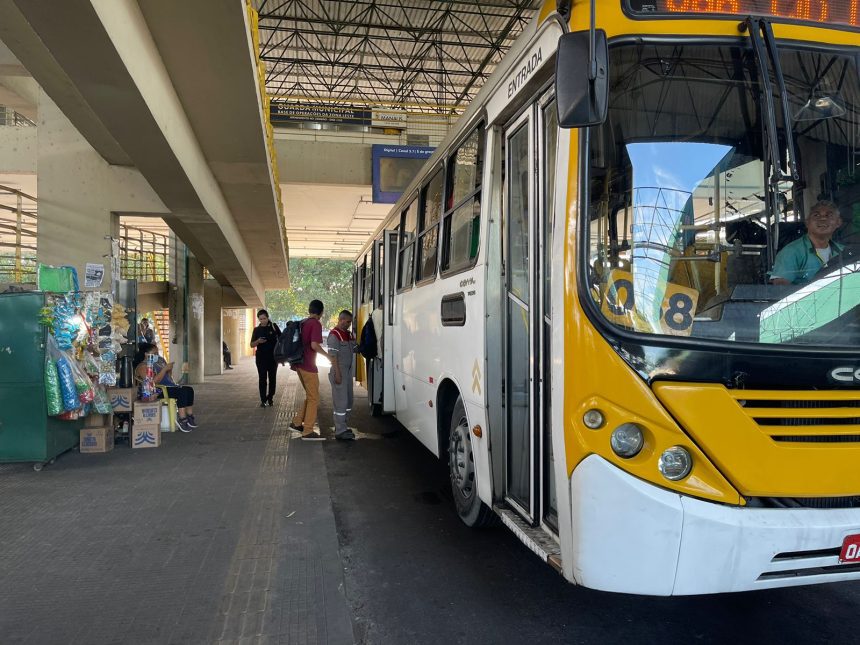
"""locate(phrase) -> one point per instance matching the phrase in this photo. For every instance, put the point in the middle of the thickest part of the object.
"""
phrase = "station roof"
(424, 55)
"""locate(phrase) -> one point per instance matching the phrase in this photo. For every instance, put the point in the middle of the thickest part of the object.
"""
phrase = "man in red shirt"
(306, 414)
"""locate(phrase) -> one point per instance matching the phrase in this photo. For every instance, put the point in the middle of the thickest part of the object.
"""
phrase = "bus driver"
(799, 261)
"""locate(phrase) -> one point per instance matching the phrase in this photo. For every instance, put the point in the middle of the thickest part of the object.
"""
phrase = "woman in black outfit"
(263, 339)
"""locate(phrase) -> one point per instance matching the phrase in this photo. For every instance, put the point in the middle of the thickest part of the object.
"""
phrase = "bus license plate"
(850, 549)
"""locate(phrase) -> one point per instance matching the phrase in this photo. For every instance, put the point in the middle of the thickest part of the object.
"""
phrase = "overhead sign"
(283, 112)
(394, 168)
(389, 119)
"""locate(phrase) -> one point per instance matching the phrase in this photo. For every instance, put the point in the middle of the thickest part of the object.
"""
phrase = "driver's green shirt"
(798, 261)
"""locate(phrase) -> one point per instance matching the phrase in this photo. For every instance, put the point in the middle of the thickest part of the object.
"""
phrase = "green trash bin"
(27, 433)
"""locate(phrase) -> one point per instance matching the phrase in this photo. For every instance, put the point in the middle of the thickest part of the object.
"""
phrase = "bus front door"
(528, 208)
(375, 368)
(389, 275)
(519, 346)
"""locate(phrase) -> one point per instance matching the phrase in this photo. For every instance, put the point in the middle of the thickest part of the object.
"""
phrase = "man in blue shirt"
(799, 261)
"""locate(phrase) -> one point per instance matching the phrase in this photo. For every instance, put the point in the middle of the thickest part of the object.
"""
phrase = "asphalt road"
(415, 574)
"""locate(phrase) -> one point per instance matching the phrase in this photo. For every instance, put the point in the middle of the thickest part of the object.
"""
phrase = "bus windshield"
(691, 232)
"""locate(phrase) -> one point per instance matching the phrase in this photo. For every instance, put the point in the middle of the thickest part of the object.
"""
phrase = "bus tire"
(461, 469)
(376, 409)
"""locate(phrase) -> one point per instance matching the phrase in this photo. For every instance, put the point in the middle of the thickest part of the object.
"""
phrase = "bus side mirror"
(581, 101)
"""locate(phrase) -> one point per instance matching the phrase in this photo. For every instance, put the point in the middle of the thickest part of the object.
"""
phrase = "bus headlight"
(675, 463)
(626, 440)
(593, 419)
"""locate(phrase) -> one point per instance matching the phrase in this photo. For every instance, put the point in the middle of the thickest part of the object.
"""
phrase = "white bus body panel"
(633, 537)
(426, 352)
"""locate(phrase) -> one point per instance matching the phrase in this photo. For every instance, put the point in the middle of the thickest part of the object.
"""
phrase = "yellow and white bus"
(577, 299)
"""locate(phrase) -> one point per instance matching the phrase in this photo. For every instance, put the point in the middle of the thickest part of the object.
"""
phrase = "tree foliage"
(313, 278)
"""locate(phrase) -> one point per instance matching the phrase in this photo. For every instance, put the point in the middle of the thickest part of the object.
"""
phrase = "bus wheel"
(376, 409)
(461, 468)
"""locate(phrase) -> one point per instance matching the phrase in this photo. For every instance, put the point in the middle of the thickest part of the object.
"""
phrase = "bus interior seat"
(746, 269)
(789, 232)
(746, 232)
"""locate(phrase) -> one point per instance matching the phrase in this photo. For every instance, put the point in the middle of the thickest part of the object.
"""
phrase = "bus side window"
(361, 281)
(428, 239)
(368, 278)
(406, 256)
(462, 220)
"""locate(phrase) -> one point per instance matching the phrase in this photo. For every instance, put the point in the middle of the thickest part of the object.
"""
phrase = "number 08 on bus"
(621, 301)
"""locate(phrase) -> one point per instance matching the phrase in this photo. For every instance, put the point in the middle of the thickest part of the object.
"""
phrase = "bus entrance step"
(535, 538)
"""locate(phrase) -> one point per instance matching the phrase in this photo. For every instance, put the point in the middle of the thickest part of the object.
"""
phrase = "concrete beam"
(230, 299)
(323, 162)
(18, 90)
(79, 194)
(152, 296)
(21, 38)
(230, 130)
(100, 63)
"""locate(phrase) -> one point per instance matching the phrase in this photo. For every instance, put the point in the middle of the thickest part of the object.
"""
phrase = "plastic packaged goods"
(53, 396)
(102, 401)
(83, 384)
(57, 279)
(148, 391)
(67, 384)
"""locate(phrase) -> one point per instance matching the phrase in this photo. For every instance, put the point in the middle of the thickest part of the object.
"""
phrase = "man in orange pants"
(306, 414)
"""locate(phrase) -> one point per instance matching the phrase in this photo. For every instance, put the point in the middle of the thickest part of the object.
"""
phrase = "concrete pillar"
(238, 325)
(213, 361)
(195, 309)
(232, 336)
(78, 193)
(176, 303)
(75, 221)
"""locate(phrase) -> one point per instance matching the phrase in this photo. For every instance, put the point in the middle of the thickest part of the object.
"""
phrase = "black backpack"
(289, 348)
(367, 345)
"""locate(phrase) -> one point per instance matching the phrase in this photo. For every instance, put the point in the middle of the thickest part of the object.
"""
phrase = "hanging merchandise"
(72, 415)
(74, 320)
(148, 391)
(107, 370)
(91, 365)
(57, 279)
(53, 396)
(65, 321)
(83, 385)
(67, 384)
(102, 401)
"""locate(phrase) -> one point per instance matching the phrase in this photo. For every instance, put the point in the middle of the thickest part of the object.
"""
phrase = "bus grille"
(804, 417)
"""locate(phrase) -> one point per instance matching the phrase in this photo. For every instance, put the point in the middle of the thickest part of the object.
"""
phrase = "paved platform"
(225, 535)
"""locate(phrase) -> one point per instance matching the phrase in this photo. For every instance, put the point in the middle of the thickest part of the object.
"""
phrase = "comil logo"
(845, 374)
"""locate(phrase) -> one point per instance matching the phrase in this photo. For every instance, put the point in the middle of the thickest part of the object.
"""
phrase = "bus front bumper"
(634, 537)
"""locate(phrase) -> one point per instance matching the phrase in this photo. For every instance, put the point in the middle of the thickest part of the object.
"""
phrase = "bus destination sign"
(835, 12)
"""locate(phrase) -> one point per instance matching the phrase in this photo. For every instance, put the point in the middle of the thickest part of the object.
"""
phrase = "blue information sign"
(394, 167)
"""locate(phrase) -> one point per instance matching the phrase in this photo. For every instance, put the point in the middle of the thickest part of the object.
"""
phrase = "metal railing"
(11, 118)
(144, 254)
(18, 236)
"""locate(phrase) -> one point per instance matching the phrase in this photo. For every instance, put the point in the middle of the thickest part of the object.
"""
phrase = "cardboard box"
(147, 413)
(99, 421)
(144, 436)
(121, 398)
(95, 440)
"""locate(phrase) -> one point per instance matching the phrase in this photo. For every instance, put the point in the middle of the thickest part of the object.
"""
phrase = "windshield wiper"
(764, 47)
